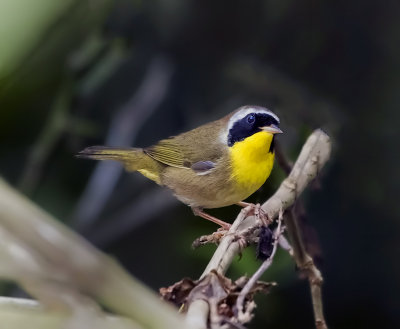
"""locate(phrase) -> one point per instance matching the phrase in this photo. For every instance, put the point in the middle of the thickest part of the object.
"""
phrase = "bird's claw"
(214, 237)
(241, 240)
(256, 210)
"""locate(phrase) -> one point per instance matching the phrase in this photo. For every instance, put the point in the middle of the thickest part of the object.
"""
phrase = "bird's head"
(248, 121)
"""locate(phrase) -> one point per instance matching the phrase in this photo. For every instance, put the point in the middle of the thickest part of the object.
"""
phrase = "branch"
(64, 272)
(197, 315)
(27, 313)
(257, 275)
(306, 264)
(313, 156)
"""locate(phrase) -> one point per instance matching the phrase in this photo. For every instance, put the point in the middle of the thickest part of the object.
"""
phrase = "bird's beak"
(272, 129)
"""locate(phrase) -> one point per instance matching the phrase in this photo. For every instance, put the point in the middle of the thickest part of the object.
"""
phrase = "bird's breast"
(252, 162)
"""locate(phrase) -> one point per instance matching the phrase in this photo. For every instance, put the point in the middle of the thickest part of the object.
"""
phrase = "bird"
(218, 164)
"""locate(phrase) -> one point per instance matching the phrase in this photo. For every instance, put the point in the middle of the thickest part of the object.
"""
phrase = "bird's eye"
(251, 118)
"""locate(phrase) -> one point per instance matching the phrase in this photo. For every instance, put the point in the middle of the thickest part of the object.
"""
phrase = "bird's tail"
(132, 158)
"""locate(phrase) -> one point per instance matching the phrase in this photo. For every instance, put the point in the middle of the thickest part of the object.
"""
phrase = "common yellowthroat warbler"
(215, 165)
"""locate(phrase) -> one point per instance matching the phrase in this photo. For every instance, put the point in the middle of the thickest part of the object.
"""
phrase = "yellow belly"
(251, 162)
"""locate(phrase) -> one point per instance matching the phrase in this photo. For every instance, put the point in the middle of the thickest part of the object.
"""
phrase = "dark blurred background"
(79, 73)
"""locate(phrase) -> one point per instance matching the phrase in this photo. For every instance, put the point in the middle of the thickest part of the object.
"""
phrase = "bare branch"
(65, 272)
(306, 264)
(313, 156)
(227, 249)
(18, 313)
(197, 316)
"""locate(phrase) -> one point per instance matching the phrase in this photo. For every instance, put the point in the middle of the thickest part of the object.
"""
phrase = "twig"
(264, 266)
(306, 264)
(309, 235)
(285, 245)
(303, 259)
(313, 156)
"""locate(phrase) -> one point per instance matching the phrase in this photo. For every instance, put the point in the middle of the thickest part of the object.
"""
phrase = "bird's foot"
(214, 237)
(242, 241)
(256, 211)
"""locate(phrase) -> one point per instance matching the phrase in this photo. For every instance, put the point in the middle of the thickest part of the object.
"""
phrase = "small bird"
(215, 165)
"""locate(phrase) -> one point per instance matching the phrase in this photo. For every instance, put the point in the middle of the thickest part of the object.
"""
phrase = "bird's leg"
(245, 204)
(255, 210)
(201, 213)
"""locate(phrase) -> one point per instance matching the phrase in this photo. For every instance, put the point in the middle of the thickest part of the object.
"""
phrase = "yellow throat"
(251, 162)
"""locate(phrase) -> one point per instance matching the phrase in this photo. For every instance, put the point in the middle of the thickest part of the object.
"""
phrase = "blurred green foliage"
(330, 64)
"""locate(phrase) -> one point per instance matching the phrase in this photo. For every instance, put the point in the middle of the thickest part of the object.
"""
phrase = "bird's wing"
(190, 149)
(169, 153)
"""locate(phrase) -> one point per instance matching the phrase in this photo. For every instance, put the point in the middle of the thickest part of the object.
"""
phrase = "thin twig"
(306, 264)
(309, 235)
(264, 266)
(285, 245)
